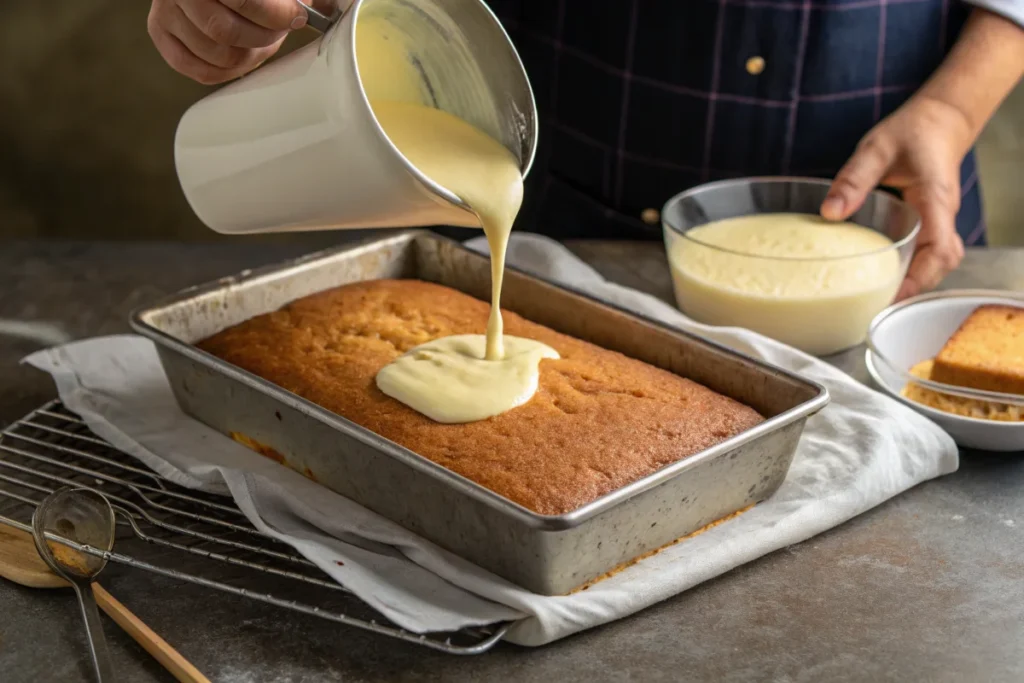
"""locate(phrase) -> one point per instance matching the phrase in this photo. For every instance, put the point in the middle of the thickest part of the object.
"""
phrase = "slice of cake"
(986, 353)
(957, 405)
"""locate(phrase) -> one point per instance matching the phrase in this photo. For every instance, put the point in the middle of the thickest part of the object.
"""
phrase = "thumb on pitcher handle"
(322, 21)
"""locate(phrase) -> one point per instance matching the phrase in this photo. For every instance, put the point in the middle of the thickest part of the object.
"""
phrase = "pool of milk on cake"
(796, 278)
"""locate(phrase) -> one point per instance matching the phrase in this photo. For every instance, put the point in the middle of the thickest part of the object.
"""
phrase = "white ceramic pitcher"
(294, 145)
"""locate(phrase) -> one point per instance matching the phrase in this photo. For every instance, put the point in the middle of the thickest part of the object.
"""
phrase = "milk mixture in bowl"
(794, 277)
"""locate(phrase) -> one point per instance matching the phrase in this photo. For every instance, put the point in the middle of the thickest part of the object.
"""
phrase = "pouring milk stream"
(403, 114)
(465, 377)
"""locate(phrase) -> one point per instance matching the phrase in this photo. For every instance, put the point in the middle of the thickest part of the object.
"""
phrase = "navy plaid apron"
(641, 99)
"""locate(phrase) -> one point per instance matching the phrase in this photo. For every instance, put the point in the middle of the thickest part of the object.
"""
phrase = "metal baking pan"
(545, 554)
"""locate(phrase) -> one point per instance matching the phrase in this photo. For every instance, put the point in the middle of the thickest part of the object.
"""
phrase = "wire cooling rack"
(185, 534)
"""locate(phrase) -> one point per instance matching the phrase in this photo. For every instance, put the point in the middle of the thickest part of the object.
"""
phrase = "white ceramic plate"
(916, 330)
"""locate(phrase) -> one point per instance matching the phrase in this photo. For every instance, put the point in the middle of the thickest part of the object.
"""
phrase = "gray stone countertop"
(926, 587)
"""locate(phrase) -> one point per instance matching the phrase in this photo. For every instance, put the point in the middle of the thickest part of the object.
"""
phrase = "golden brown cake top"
(598, 421)
(986, 352)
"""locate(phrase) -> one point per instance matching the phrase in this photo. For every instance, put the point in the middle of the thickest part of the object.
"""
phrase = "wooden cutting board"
(20, 562)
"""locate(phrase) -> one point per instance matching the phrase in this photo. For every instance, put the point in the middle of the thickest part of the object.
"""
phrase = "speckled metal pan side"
(545, 554)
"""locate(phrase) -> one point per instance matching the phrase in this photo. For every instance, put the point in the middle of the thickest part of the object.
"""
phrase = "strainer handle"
(94, 629)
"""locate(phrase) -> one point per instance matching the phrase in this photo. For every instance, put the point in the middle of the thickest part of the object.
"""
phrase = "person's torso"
(640, 100)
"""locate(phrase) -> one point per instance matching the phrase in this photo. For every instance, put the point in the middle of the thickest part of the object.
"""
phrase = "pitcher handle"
(318, 20)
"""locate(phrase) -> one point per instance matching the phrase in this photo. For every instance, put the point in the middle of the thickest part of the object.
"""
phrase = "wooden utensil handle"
(179, 667)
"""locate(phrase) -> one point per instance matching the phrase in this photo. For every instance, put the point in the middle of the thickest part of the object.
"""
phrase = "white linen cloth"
(861, 450)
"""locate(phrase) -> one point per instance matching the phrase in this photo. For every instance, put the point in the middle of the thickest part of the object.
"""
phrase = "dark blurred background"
(87, 117)
(88, 112)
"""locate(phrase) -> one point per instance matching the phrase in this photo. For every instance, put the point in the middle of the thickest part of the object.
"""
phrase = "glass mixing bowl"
(819, 294)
